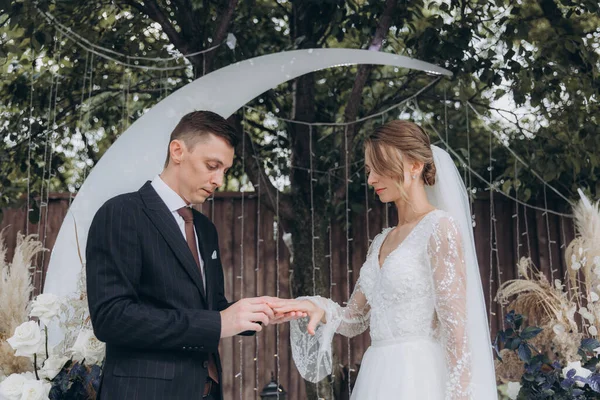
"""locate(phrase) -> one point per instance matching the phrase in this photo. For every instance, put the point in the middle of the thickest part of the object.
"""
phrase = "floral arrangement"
(557, 353)
(29, 367)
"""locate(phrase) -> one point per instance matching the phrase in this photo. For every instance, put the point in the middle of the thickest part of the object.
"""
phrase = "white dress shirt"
(174, 202)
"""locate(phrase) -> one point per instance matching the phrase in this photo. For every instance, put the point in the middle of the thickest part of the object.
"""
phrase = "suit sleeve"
(114, 270)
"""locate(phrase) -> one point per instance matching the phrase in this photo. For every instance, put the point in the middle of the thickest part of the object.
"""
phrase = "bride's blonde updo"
(389, 143)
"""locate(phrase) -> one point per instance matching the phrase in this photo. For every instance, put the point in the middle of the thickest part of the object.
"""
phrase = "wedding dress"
(416, 304)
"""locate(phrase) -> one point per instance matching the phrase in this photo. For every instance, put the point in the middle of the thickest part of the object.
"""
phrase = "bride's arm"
(450, 287)
(351, 320)
(311, 340)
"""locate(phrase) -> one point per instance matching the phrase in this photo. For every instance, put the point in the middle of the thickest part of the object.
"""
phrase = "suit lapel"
(162, 218)
(204, 250)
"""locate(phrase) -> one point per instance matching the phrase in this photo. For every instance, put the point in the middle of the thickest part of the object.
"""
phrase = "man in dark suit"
(154, 276)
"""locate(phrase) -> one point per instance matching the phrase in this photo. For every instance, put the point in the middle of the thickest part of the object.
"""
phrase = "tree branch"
(354, 101)
(154, 12)
(220, 32)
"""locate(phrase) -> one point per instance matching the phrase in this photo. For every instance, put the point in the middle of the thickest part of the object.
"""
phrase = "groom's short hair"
(197, 125)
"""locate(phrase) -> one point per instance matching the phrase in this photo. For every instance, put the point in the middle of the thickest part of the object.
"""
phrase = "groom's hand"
(245, 315)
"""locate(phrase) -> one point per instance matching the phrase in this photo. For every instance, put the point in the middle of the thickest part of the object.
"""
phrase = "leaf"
(524, 352)
(514, 344)
(530, 332)
(518, 321)
(590, 344)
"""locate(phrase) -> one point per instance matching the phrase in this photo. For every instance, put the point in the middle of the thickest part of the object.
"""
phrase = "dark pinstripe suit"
(147, 300)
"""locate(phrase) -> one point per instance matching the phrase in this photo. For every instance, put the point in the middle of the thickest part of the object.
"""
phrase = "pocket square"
(214, 255)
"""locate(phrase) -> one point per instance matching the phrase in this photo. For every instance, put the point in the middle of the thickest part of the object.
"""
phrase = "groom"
(154, 276)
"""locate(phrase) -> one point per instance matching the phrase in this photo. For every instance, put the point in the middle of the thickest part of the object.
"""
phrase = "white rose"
(27, 339)
(579, 371)
(11, 388)
(512, 390)
(46, 306)
(52, 366)
(36, 390)
(594, 297)
(88, 347)
(593, 331)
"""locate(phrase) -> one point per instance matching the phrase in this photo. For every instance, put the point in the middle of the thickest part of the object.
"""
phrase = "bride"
(419, 290)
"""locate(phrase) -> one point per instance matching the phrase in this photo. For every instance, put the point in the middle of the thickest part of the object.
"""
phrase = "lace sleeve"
(312, 354)
(450, 287)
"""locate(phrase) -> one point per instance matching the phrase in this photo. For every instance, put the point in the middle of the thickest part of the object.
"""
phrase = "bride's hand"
(315, 313)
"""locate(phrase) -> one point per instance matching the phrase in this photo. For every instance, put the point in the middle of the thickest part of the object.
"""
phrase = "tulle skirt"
(403, 369)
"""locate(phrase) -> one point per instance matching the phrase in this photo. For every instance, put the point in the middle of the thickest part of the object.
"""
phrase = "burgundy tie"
(190, 237)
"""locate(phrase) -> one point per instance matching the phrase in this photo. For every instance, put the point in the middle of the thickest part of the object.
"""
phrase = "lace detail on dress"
(418, 292)
(450, 288)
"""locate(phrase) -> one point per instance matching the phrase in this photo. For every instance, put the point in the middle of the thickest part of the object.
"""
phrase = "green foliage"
(541, 54)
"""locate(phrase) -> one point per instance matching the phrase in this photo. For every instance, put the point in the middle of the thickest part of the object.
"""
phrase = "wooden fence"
(251, 268)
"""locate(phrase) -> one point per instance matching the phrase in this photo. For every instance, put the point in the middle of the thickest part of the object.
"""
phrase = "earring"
(414, 177)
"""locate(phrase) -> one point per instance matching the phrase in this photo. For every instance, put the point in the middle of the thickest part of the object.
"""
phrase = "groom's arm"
(114, 266)
(221, 301)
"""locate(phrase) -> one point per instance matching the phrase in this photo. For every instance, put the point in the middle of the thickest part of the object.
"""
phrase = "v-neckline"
(382, 264)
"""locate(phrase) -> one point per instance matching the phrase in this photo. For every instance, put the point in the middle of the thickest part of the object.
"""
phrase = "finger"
(313, 322)
(259, 316)
(276, 303)
(268, 299)
(287, 308)
(256, 300)
(268, 311)
(254, 327)
(280, 302)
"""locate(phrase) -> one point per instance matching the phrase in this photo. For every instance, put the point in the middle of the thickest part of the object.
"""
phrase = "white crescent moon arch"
(139, 153)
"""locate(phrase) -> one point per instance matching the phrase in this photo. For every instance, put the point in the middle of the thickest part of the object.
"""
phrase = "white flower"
(52, 366)
(576, 266)
(579, 371)
(593, 331)
(586, 314)
(558, 284)
(594, 297)
(46, 306)
(27, 339)
(88, 347)
(558, 329)
(512, 390)
(36, 390)
(12, 387)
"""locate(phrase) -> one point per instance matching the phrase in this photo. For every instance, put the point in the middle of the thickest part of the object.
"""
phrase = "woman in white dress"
(419, 290)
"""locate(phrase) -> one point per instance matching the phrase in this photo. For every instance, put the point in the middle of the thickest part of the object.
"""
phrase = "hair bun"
(429, 174)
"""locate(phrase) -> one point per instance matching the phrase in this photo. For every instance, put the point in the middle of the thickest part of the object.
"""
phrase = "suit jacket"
(147, 300)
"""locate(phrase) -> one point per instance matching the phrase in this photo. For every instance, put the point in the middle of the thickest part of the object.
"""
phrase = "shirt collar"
(173, 201)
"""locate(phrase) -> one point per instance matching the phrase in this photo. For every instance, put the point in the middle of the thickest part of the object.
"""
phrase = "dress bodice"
(400, 291)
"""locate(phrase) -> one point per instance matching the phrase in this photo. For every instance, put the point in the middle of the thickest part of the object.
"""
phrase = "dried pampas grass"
(567, 313)
(15, 293)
